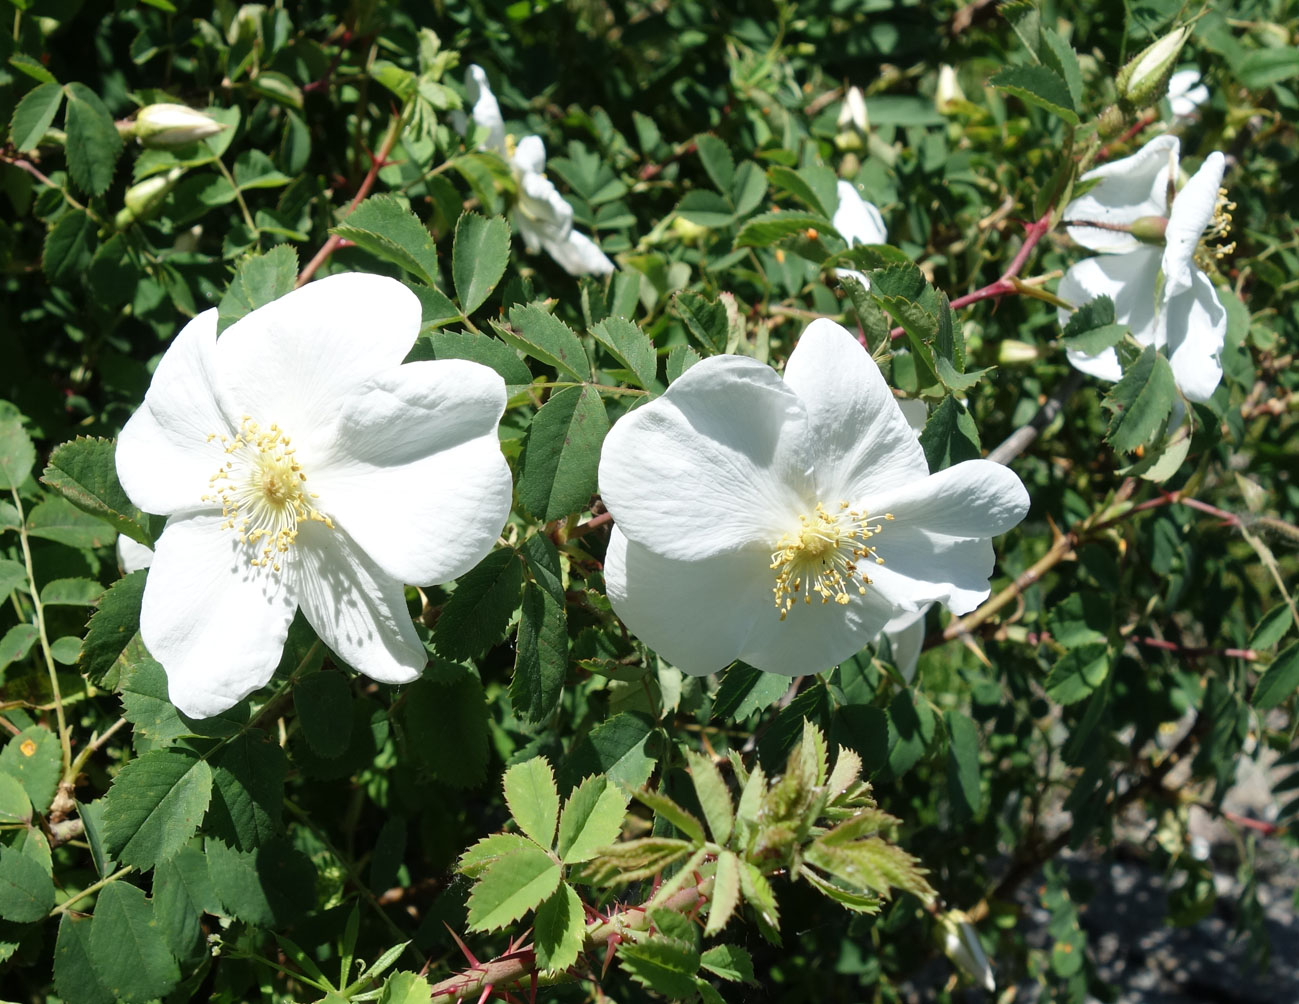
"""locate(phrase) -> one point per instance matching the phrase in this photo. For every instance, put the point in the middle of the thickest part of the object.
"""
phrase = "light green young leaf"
(478, 258)
(726, 893)
(559, 929)
(533, 799)
(665, 966)
(511, 886)
(713, 794)
(405, 988)
(1141, 401)
(592, 819)
(665, 807)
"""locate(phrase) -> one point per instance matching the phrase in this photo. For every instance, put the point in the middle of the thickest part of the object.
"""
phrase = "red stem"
(1033, 233)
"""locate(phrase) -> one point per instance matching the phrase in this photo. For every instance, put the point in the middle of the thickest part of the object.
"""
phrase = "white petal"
(530, 155)
(858, 438)
(544, 207)
(164, 459)
(815, 636)
(486, 112)
(717, 463)
(215, 623)
(1186, 93)
(132, 555)
(1127, 279)
(416, 476)
(358, 611)
(293, 361)
(977, 498)
(1192, 211)
(852, 273)
(696, 614)
(857, 220)
(533, 233)
(428, 521)
(1129, 189)
(922, 567)
(578, 255)
(1197, 326)
(906, 635)
(915, 411)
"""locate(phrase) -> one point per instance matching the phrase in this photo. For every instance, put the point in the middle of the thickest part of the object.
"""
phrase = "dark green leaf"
(155, 805)
(616, 748)
(557, 472)
(630, 346)
(481, 349)
(545, 337)
(69, 248)
(950, 436)
(259, 280)
(59, 520)
(387, 229)
(248, 789)
(182, 892)
(745, 690)
(1272, 627)
(963, 764)
(479, 611)
(716, 157)
(71, 592)
(34, 114)
(324, 704)
(1038, 85)
(75, 978)
(93, 143)
(666, 967)
(112, 626)
(769, 228)
(705, 319)
(92, 819)
(478, 257)
(1279, 681)
(730, 962)
(1264, 67)
(541, 663)
(1141, 401)
(269, 887)
(446, 723)
(84, 471)
(1077, 673)
(127, 947)
(26, 888)
(17, 454)
(1059, 56)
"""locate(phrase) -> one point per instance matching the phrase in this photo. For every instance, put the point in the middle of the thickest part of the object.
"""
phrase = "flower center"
(1218, 230)
(262, 491)
(822, 557)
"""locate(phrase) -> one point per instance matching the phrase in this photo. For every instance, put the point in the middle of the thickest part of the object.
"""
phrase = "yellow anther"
(824, 553)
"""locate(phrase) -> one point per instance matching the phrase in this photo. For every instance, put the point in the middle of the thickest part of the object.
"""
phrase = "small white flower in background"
(1159, 290)
(301, 464)
(961, 943)
(948, 93)
(541, 215)
(853, 112)
(1186, 93)
(164, 125)
(858, 222)
(786, 522)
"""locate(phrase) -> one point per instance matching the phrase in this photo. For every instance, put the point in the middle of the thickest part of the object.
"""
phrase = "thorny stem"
(1008, 283)
(377, 161)
(512, 967)
(65, 739)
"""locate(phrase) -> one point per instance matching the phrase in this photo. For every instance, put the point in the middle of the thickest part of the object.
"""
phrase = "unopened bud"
(948, 94)
(1011, 352)
(173, 125)
(688, 231)
(853, 111)
(961, 943)
(1149, 229)
(144, 198)
(1145, 78)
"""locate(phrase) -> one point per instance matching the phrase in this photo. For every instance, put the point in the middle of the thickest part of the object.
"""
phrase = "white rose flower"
(1186, 93)
(858, 222)
(302, 465)
(1180, 314)
(786, 522)
(541, 215)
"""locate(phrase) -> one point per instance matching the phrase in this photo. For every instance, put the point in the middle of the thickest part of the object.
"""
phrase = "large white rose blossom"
(1159, 291)
(858, 222)
(541, 215)
(786, 522)
(301, 464)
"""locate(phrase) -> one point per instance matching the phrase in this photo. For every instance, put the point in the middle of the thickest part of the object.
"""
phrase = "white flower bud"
(173, 125)
(961, 943)
(1145, 78)
(948, 93)
(853, 112)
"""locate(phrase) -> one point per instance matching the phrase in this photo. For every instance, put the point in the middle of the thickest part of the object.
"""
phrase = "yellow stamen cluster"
(1218, 230)
(823, 555)
(261, 489)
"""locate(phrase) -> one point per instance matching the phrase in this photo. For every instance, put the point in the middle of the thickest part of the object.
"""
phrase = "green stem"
(65, 739)
(90, 890)
(239, 197)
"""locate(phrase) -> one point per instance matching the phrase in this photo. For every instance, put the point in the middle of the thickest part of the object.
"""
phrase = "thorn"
(463, 947)
(487, 992)
(532, 987)
(613, 941)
